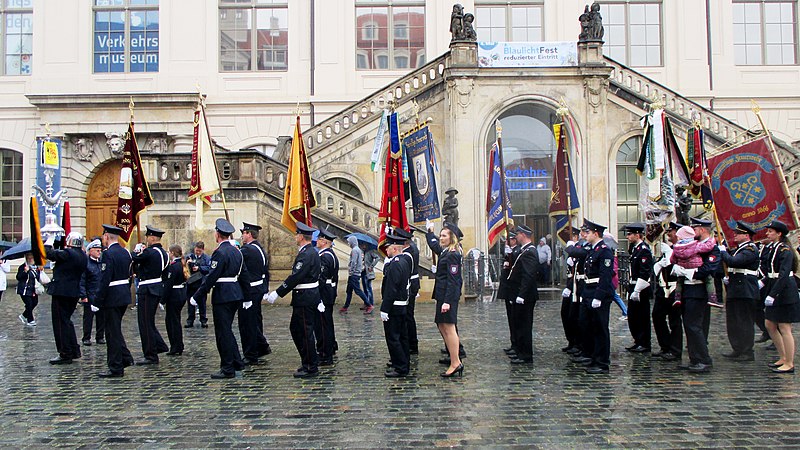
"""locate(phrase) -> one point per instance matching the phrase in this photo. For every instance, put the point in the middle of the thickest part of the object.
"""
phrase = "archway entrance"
(101, 198)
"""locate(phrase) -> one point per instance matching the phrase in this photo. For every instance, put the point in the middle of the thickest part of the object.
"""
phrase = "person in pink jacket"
(687, 254)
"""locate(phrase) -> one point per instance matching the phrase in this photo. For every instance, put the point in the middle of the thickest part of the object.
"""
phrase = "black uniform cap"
(674, 226)
(636, 227)
(224, 227)
(153, 231)
(512, 234)
(454, 228)
(304, 229)
(698, 222)
(326, 234)
(591, 226)
(403, 234)
(249, 226)
(112, 229)
(779, 226)
(743, 228)
(395, 239)
(523, 229)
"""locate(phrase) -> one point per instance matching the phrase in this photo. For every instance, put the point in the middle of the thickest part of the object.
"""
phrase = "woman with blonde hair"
(447, 289)
(174, 298)
(782, 305)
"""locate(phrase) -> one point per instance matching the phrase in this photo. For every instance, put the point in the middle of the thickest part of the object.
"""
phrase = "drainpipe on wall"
(708, 42)
(312, 63)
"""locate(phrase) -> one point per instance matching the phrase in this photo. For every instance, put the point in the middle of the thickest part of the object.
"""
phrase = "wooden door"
(101, 199)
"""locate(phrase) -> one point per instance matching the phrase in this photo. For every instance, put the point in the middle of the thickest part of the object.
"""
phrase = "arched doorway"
(101, 198)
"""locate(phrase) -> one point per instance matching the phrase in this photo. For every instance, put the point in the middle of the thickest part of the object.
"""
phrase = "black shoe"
(305, 374)
(669, 356)
(110, 374)
(699, 368)
(640, 349)
(684, 366)
(773, 365)
(392, 373)
(265, 352)
(789, 370)
(521, 361)
(763, 338)
(566, 349)
(511, 355)
(87, 342)
(731, 355)
(221, 375)
(146, 362)
(458, 371)
(594, 370)
(175, 353)
(657, 354)
(587, 363)
(59, 361)
(744, 358)
(508, 349)
(631, 347)
(581, 359)
(574, 351)
(204, 325)
(127, 363)
(189, 325)
(326, 362)
(444, 351)
(101, 342)
(444, 361)
(252, 362)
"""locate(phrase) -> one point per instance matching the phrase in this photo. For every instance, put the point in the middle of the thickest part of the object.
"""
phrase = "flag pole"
(563, 111)
(757, 111)
(498, 127)
(214, 155)
(131, 106)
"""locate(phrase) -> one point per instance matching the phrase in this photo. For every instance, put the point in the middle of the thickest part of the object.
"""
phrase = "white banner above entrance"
(527, 54)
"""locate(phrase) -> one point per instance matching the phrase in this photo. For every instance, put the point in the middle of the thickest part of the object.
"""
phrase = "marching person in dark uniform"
(639, 289)
(580, 311)
(765, 257)
(227, 266)
(251, 322)
(199, 265)
(90, 283)
(113, 298)
(303, 283)
(328, 280)
(570, 326)
(742, 292)
(411, 251)
(695, 301)
(667, 319)
(174, 298)
(394, 292)
(782, 304)
(598, 294)
(524, 291)
(510, 255)
(65, 288)
(149, 265)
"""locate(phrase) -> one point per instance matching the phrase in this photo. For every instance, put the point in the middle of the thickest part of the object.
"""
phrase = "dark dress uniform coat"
(695, 309)
(599, 274)
(578, 311)
(174, 297)
(742, 296)
(522, 284)
(251, 320)
(447, 287)
(411, 322)
(65, 288)
(502, 292)
(113, 298)
(149, 266)
(641, 266)
(324, 331)
(783, 288)
(394, 293)
(667, 320)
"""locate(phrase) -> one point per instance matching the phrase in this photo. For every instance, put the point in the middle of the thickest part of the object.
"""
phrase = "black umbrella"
(19, 250)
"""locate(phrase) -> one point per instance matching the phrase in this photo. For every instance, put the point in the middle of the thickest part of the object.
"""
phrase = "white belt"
(580, 276)
(743, 271)
(227, 280)
(257, 283)
(307, 285)
(330, 283)
(414, 277)
(118, 282)
(778, 274)
(693, 281)
(592, 280)
(403, 303)
(150, 281)
(178, 286)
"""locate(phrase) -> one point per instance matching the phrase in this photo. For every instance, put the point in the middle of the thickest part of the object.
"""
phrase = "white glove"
(384, 316)
(641, 285)
(634, 297)
(139, 248)
(769, 301)
(508, 250)
(247, 305)
(192, 301)
(161, 306)
(520, 301)
(566, 293)
(570, 261)
(50, 240)
(433, 268)
(94, 308)
(657, 268)
(596, 303)
(722, 248)
(321, 307)
(726, 280)
(429, 225)
(678, 271)
(760, 284)
(272, 296)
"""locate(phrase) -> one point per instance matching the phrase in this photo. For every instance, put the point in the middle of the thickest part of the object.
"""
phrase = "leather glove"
(384, 316)
(192, 301)
(247, 305)
(769, 301)
(634, 297)
(272, 296)
(726, 280)
(760, 284)
(321, 307)
(520, 301)
(722, 248)
(566, 293)
(596, 303)
(94, 308)
(429, 225)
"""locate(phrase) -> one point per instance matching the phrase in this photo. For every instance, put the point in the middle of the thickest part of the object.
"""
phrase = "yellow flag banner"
(297, 196)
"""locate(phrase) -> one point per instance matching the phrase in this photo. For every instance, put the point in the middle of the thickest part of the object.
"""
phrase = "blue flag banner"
(49, 151)
(421, 177)
(498, 218)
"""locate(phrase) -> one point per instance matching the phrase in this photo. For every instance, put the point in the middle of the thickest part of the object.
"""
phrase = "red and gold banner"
(134, 193)
(298, 197)
(393, 201)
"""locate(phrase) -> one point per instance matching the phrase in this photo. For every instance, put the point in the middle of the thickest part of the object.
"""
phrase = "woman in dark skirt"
(174, 298)
(447, 290)
(782, 305)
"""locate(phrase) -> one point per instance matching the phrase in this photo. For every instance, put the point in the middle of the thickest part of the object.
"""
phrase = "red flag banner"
(134, 193)
(393, 201)
(66, 220)
(298, 197)
(747, 187)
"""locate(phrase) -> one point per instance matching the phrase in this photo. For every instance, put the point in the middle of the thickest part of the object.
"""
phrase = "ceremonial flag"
(66, 220)
(499, 218)
(205, 178)
(422, 179)
(134, 193)
(378, 146)
(37, 247)
(698, 166)
(564, 198)
(748, 187)
(393, 202)
(298, 197)
(656, 166)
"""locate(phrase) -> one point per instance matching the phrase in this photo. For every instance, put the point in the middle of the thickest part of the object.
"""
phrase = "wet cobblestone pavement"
(643, 403)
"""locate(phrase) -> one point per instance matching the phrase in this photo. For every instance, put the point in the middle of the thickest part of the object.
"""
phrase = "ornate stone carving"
(156, 144)
(461, 28)
(462, 92)
(115, 143)
(595, 91)
(82, 147)
(591, 24)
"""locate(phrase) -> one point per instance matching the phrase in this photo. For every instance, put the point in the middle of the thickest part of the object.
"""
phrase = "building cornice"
(163, 99)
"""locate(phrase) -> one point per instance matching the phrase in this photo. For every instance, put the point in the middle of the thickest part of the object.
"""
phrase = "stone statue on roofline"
(591, 24)
(461, 25)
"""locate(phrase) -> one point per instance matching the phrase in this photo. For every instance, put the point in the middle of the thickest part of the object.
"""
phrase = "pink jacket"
(688, 255)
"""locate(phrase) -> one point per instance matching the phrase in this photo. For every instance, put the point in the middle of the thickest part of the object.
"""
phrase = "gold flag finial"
(130, 107)
(498, 128)
(563, 109)
(754, 107)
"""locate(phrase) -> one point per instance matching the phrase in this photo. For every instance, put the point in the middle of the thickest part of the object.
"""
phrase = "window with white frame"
(390, 34)
(764, 32)
(253, 35)
(632, 31)
(11, 195)
(126, 36)
(627, 186)
(16, 37)
(509, 21)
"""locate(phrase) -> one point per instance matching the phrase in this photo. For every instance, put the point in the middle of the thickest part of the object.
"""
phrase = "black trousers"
(585, 321)
(411, 321)
(739, 322)
(88, 318)
(667, 323)
(201, 304)
(152, 342)
(598, 329)
(117, 354)
(229, 357)
(523, 328)
(325, 333)
(694, 315)
(63, 328)
(396, 332)
(301, 326)
(574, 320)
(172, 320)
(639, 318)
(263, 342)
(566, 321)
(30, 302)
(510, 316)
(248, 330)
(758, 312)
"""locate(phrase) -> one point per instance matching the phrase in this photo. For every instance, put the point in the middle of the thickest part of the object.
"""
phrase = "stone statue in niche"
(461, 25)
(591, 24)
(82, 148)
(450, 206)
(683, 205)
(115, 143)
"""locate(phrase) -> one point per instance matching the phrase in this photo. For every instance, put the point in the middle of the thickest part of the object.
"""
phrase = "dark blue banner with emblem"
(417, 146)
(48, 177)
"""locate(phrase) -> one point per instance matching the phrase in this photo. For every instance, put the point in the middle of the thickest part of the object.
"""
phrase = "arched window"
(627, 186)
(346, 186)
(11, 196)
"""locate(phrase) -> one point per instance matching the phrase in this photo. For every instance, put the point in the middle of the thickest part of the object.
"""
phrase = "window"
(633, 32)
(125, 36)
(11, 195)
(509, 22)
(253, 35)
(16, 36)
(627, 186)
(346, 186)
(764, 32)
(390, 34)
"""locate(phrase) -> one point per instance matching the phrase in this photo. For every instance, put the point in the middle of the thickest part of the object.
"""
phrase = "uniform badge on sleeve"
(214, 264)
(298, 266)
(103, 266)
(454, 269)
(644, 260)
(712, 258)
(607, 262)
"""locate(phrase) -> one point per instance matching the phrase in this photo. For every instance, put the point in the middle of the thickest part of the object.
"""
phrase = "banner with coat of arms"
(422, 179)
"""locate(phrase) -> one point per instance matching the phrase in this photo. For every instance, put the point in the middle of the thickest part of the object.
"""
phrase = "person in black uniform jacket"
(227, 269)
(65, 288)
(251, 322)
(580, 310)
(765, 257)
(411, 251)
(90, 283)
(742, 292)
(524, 291)
(149, 264)
(567, 298)
(113, 298)
(667, 320)
(599, 294)
(199, 266)
(782, 304)
(328, 279)
(174, 298)
(447, 290)
(639, 290)
(695, 301)
(394, 292)
(303, 283)
(510, 255)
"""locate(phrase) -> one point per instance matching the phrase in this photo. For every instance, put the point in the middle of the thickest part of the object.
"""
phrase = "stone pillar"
(590, 53)
(463, 54)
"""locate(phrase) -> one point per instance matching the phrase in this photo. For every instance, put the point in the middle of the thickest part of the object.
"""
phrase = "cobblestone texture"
(552, 404)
